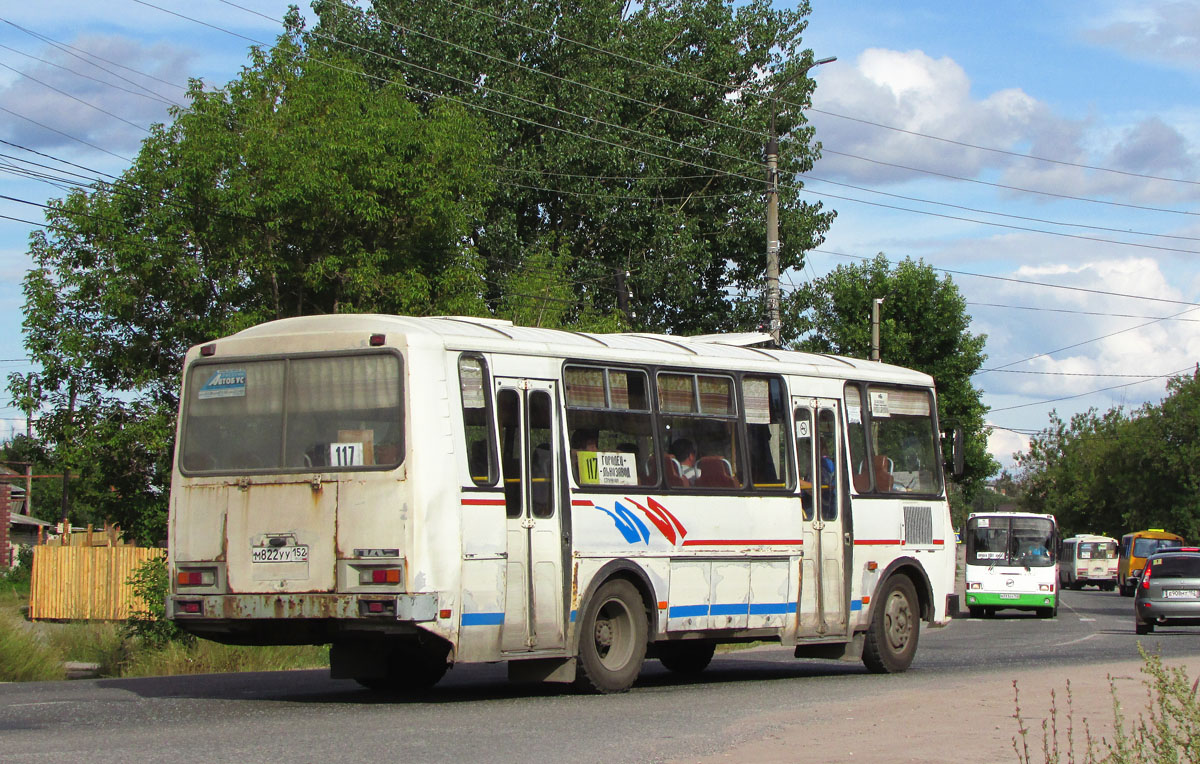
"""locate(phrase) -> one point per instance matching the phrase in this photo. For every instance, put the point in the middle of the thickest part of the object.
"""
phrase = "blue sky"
(1104, 94)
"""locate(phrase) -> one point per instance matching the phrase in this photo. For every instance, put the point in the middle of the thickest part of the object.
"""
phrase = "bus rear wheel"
(409, 669)
(895, 628)
(612, 638)
(689, 657)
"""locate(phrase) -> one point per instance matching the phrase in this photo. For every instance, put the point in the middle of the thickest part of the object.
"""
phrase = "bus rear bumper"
(237, 607)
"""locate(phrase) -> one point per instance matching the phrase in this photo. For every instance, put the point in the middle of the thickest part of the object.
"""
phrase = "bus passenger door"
(529, 445)
(819, 457)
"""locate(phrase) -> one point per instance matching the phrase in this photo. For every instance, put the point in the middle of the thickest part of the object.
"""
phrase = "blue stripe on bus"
(739, 608)
(482, 619)
(773, 608)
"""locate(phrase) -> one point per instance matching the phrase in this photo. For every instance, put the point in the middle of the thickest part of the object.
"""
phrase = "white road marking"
(1075, 641)
(1086, 620)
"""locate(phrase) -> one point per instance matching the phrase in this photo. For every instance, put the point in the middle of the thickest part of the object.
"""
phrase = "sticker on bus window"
(346, 454)
(983, 522)
(224, 383)
(855, 414)
(879, 404)
(607, 468)
(989, 555)
(803, 429)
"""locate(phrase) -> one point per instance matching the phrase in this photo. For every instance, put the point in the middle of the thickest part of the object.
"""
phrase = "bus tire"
(689, 658)
(612, 638)
(411, 669)
(976, 611)
(895, 628)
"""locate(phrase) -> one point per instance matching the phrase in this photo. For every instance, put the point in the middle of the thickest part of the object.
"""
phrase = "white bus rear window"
(329, 412)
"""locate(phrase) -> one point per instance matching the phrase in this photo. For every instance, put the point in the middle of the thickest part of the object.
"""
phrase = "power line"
(1093, 392)
(74, 98)
(999, 151)
(1080, 312)
(65, 135)
(1028, 282)
(150, 96)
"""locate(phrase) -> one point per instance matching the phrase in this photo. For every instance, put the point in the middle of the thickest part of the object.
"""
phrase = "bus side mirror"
(957, 459)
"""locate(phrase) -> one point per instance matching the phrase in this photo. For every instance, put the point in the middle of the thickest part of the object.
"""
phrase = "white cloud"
(1002, 444)
(1159, 30)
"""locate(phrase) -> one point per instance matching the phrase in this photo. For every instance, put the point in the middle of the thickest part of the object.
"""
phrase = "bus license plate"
(280, 554)
(1179, 594)
(1007, 596)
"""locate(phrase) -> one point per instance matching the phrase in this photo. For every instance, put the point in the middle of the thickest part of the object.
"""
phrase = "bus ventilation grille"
(918, 525)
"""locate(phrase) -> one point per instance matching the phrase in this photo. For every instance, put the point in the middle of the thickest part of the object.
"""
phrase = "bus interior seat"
(715, 472)
(883, 477)
(674, 478)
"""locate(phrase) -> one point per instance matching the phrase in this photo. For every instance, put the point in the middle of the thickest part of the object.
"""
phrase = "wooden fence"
(85, 582)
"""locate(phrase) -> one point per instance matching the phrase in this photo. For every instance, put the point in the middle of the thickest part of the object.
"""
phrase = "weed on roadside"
(1168, 730)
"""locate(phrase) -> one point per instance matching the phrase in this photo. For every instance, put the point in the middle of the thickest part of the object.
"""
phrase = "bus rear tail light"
(1045, 587)
(377, 607)
(379, 576)
(196, 577)
(190, 607)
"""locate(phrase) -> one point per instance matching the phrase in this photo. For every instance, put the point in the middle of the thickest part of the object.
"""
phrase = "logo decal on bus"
(634, 530)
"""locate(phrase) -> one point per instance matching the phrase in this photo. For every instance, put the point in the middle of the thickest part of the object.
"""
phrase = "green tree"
(625, 171)
(299, 188)
(1117, 472)
(924, 325)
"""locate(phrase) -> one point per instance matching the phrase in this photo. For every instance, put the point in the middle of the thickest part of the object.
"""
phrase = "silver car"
(1168, 591)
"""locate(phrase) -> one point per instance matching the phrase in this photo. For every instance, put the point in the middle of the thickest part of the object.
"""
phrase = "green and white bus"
(1012, 562)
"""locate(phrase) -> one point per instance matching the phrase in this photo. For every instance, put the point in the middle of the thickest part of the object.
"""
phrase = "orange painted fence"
(85, 582)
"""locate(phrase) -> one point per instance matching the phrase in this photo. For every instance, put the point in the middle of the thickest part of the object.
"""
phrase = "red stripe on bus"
(483, 502)
(582, 503)
(743, 542)
(939, 542)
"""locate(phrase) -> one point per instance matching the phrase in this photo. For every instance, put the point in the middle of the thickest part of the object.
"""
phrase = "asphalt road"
(475, 714)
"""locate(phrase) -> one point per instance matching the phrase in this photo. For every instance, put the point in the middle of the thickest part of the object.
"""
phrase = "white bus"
(1088, 559)
(1012, 563)
(420, 492)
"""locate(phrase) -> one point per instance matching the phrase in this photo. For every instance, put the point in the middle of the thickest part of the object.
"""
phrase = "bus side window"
(477, 420)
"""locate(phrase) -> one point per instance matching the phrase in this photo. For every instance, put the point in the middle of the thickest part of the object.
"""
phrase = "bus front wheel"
(895, 627)
(612, 638)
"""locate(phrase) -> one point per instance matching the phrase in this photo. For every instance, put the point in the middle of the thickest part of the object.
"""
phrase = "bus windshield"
(292, 414)
(1144, 547)
(1027, 541)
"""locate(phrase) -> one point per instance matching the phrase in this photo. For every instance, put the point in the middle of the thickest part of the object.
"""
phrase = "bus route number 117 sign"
(607, 468)
(346, 454)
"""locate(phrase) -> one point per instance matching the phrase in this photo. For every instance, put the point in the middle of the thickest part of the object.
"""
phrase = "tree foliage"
(1116, 472)
(631, 137)
(924, 326)
(298, 188)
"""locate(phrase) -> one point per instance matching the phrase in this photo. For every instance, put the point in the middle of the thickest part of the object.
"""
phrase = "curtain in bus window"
(233, 420)
(716, 395)
(343, 411)
(585, 387)
(676, 394)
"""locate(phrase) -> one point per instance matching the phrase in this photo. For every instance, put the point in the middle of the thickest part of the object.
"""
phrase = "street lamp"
(773, 209)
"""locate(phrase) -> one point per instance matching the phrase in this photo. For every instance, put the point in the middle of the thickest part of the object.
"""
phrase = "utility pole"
(772, 152)
(29, 443)
(875, 307)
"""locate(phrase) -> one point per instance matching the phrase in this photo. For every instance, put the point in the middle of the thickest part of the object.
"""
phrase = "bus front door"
(529, 443)
(819, 456)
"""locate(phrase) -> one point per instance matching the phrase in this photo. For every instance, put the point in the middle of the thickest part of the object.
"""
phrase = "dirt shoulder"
(968, 718)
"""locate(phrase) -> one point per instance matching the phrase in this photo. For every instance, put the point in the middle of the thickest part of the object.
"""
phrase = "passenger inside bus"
(681, 463)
